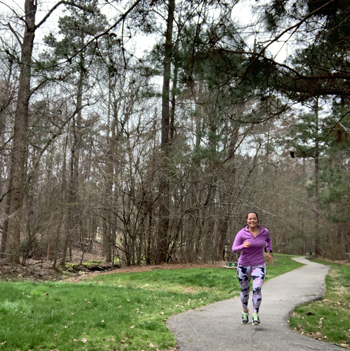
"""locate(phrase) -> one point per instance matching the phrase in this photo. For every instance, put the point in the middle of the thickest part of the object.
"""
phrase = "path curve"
(217, 327)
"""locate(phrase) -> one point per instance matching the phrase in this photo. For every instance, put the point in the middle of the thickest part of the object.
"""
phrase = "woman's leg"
(244, 274)
(258, 276)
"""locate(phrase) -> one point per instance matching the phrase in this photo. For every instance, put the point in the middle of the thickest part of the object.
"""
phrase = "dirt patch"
(167, 266)
(342, 291)
(333, 273)
(42, 270)
(345, 262)
(134, 269)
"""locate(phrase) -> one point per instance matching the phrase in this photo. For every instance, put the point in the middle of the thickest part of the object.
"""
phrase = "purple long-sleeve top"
(253, 255)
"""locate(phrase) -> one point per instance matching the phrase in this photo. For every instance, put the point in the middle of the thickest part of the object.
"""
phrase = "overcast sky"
(241, 13)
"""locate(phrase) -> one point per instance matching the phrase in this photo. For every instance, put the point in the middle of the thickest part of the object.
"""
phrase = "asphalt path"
(218, 327)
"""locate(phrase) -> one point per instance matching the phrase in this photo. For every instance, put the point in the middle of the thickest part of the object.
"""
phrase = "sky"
(241, 13)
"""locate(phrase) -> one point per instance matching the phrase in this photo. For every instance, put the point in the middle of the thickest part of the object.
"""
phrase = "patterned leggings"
(245, 273)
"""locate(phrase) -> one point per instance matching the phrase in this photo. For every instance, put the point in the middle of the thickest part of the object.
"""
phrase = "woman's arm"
(237, 244)
(268, 242)
(268, 247)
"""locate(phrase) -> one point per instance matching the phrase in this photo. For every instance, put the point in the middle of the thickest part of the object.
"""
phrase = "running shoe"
(256, 320)
(245, 317)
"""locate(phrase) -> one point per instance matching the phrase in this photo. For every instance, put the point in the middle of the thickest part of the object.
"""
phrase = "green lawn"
(121, 311)
(327, 319)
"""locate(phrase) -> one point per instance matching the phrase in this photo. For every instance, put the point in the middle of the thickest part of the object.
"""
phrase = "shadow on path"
(218, 327)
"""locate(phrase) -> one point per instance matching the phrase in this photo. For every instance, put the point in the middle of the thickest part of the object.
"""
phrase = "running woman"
(251, 242)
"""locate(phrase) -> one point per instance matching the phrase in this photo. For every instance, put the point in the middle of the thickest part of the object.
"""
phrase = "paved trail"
(218, 327)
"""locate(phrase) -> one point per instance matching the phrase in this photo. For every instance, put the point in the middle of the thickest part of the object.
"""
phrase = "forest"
(155, 126)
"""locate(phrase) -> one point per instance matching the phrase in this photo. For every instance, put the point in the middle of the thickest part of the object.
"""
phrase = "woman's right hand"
(246, 244)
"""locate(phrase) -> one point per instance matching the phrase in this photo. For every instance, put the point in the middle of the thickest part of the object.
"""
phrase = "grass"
(327, 319)
(122, 311)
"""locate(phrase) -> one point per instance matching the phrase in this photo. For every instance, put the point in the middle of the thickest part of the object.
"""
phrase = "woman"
(251, 242)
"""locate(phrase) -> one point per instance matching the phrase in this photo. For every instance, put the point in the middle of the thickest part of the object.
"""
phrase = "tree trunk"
(317, 178)
(109, 241)
(6, 222)
(165, 142)
(19, 152)
(73, 220)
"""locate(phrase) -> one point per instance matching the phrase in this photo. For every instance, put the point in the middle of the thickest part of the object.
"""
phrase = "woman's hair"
(254, 213)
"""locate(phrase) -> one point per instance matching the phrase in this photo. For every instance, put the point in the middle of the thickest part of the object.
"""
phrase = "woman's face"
(252, 220)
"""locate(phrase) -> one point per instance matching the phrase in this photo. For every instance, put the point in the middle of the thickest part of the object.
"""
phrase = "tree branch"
(48, 143)
(122, 18)
(2, 147)
(298, 75)
(282, 33)
(37, 87)
(62, 2)
(17, 15)
(3, 196)
(14, 33)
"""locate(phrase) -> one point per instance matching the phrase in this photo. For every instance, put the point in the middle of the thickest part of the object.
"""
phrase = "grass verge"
(121, 311)
(327, 319)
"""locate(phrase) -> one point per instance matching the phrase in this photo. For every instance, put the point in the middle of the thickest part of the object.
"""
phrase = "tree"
(77, 28)
(165, 141)
(18, 159)
(17, 184)
(18, 174)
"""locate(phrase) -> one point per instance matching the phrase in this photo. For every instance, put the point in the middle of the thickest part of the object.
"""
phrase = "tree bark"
(19, 152)
(317, 180)
(73, 220)
(108, 242)
(165, 142)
